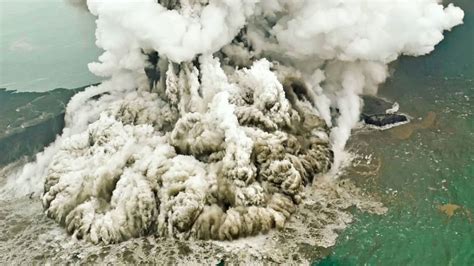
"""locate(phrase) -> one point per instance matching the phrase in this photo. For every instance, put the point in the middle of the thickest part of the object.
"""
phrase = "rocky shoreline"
(381, 113)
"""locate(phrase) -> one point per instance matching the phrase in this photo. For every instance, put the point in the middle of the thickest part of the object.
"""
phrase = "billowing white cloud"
(232, 117)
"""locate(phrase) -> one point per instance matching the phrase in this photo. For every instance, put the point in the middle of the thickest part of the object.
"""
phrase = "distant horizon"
(40, 62)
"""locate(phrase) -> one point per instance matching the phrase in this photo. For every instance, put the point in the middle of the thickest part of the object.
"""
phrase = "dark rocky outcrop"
(374, 112)
(384, 119)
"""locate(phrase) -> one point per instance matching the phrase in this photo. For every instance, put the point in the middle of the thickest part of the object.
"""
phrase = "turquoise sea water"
(421, 173)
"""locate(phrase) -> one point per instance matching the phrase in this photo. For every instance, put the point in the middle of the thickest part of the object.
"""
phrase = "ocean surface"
(426, 168)
(422, 171)
(45, 44)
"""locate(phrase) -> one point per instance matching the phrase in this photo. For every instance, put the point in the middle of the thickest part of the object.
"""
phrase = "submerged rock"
(449, 209)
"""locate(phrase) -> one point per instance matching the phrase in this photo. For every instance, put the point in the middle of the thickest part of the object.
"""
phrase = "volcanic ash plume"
(217, 113)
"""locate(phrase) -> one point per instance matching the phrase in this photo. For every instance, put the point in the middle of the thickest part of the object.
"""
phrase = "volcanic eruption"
(217, 113)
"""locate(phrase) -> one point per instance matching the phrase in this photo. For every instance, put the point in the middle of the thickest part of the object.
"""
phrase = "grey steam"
(217, 113)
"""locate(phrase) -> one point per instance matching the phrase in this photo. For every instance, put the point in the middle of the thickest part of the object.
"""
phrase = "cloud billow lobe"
(217, 114)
